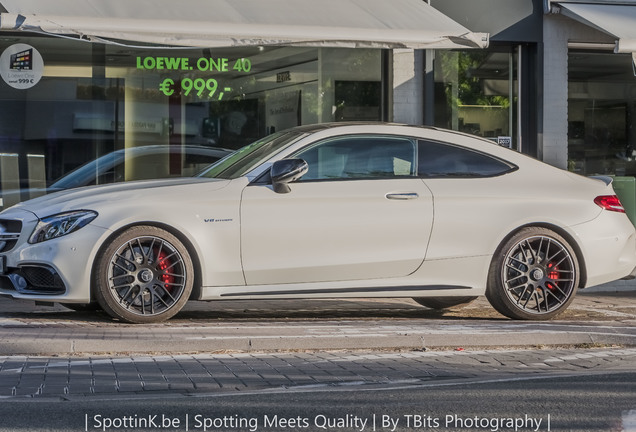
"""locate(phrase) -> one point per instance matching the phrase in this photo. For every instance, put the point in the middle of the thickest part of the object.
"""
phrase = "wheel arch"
(560, 231)
(194, 256)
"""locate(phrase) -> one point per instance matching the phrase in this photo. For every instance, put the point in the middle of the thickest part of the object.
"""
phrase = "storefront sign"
(208, 88)
(202, 64)
(21, 66)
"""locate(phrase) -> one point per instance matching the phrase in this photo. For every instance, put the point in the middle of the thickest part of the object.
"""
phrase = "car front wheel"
(144, 275)
(534, 275)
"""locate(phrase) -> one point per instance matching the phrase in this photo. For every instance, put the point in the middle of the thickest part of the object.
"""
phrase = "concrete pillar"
(408, 86)
(555, 92)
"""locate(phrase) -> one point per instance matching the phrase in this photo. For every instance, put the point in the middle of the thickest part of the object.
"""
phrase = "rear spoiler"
(605, 179)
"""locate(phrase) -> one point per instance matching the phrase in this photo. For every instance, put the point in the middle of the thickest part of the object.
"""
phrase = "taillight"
(609, 202)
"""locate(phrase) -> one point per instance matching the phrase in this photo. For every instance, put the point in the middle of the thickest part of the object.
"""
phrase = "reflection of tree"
(348, 63)
(462, 69)
(358, 95)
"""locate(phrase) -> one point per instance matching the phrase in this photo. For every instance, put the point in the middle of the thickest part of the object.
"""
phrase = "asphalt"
(596, 319)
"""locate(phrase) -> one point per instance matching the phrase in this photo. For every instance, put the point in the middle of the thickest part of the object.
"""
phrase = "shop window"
(93, 100)
(601, 114)
(475, 92)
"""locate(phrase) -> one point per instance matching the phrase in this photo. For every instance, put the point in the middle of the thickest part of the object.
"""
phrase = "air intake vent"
(9, 233)
(43, 279)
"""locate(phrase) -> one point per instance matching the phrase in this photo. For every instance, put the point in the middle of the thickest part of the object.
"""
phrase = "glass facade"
(601, 113)
(94, 99)
(476, 93)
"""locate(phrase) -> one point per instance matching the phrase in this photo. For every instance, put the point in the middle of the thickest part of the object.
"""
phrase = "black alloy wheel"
(534, 275)
(144, 275)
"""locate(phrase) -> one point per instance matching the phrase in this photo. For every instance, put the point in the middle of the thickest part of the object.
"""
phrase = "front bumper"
(630, 276)
(54, 270)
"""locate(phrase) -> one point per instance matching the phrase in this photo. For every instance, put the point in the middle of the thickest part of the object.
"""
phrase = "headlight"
(60, 225)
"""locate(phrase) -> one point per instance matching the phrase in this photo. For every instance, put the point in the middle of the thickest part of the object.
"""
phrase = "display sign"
(106, 123)
(201, 87)
(283, 77)
(283, 110)
(505, 141)
(21, 66)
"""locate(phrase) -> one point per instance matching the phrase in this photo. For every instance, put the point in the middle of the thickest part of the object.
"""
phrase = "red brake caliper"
(163, 265)
(553, 273)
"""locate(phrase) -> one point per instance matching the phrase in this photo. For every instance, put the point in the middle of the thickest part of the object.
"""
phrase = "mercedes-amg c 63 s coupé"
(335, 210)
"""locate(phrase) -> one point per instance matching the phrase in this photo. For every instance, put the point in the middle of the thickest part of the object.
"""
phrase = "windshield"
(249, 157)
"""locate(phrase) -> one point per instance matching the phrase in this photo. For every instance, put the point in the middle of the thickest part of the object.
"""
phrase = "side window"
(359, 157)
(445, 160)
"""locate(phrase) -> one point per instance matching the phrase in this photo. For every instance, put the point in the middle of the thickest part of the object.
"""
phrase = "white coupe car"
(339, 210)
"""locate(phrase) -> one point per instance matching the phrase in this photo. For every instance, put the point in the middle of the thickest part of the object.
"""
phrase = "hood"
(96, 197)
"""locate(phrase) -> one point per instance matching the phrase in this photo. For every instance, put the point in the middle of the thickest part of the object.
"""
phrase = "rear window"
(444, 160)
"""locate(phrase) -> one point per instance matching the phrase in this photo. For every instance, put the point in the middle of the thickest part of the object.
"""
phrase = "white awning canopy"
(224, 23)
(617, 20)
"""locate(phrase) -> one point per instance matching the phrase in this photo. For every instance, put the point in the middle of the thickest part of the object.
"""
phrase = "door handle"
(402, 195)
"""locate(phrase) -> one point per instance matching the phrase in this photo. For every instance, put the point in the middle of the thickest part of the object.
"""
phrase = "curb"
(11, 346)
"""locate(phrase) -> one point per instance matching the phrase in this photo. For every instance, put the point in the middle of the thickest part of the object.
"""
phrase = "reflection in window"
(475, 92)
(601, 114)
(99, 99)
(360, 158)
(442, 160)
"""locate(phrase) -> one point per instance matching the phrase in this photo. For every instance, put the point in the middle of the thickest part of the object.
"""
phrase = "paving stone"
(314, 321)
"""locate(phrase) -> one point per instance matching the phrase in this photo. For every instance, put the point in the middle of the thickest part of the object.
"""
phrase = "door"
(360, 212)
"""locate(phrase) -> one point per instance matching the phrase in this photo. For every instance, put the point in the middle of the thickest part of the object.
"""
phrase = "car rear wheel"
(144, 275)
(534, 275)
(441, 303)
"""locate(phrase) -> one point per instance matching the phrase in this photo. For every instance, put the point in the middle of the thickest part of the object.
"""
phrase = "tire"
(533, 276)
(144, 275)
(441, 303)
(83, 307)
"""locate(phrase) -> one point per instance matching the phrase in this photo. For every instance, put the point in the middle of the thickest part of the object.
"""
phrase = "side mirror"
(286, 171)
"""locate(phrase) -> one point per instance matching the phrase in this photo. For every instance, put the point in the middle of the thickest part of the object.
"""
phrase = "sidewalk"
(594, 319)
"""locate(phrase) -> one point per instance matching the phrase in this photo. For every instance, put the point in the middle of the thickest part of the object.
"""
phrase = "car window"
(359, 157)
(444, 160)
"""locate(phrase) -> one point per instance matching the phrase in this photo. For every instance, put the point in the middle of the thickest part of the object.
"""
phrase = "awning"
(616, 20)
(222, 23)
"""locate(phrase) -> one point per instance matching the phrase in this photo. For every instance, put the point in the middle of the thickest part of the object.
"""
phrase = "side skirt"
(383, 291)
